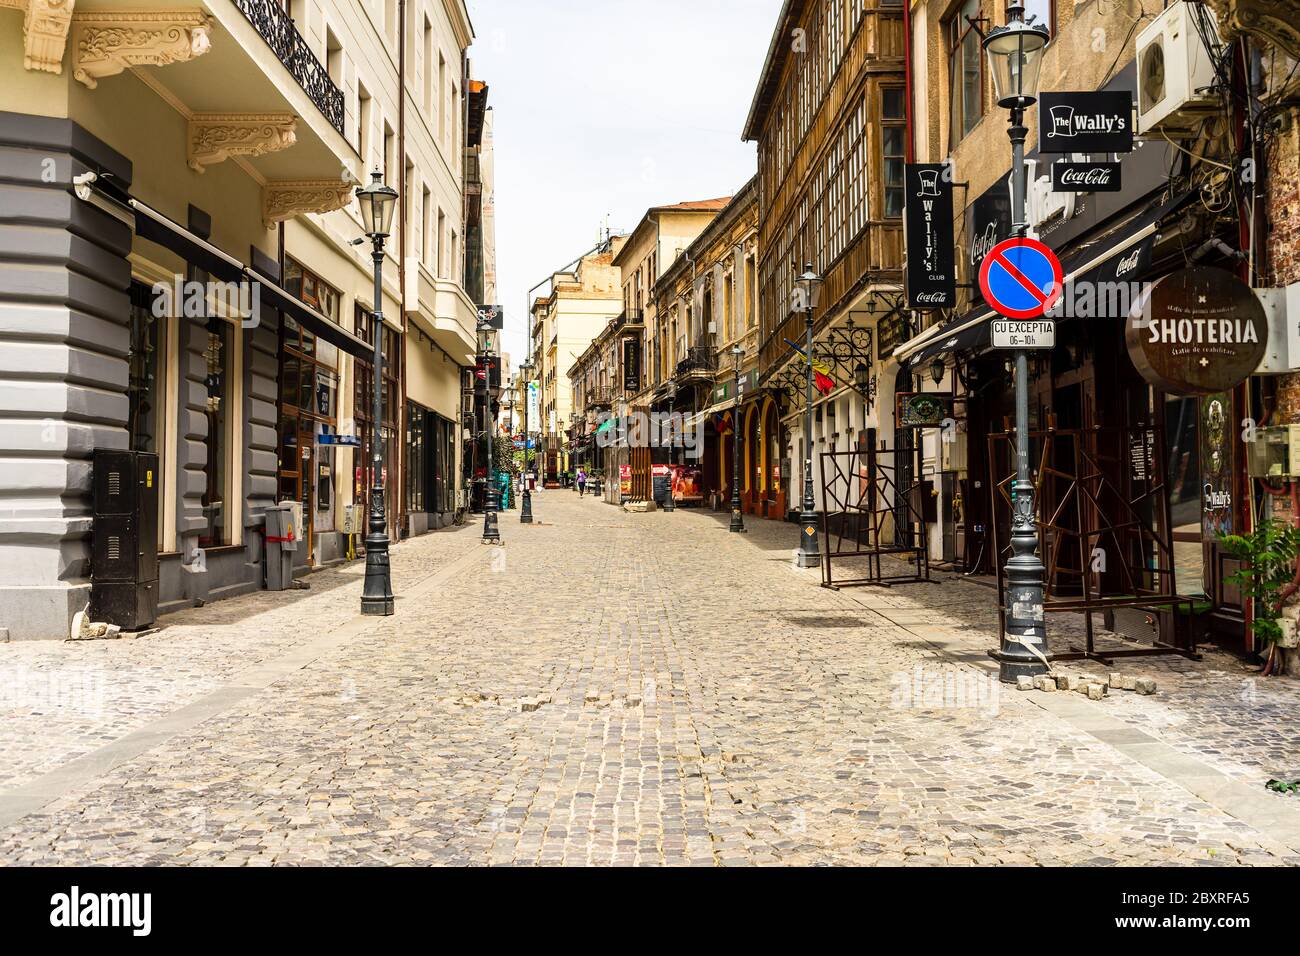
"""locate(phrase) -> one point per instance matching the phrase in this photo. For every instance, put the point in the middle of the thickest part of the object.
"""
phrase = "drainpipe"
(908, 145)
(399, 414)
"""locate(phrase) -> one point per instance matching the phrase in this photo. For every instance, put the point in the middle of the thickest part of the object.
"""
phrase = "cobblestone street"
(625, 689)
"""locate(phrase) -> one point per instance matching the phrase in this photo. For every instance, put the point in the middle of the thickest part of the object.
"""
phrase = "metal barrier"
(1103, 519)
(866, 514)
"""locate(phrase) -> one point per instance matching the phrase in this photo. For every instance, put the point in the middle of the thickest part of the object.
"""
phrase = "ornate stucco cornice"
(105, 44)
(284, 200)
(215, 137)
(1261, 19)
(45, 32)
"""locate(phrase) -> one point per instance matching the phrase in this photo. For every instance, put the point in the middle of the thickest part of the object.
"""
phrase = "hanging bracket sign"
(1098, 122)
(1197, 331)
(1086, 177)
(928, 229)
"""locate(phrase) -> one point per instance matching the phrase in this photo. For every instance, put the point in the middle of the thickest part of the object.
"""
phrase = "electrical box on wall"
(953, 449)
(1275, 452)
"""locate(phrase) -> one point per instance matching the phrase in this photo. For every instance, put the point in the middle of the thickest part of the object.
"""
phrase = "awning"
(152, 225)
(968, 335)
(695, 420)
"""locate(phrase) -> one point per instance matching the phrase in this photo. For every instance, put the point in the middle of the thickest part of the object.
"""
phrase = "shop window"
(144, 380)
(144, 385)
(308, 404)
(218, 361)
(965, 72)
(416, 470)
(363, 403)
(1041, 13)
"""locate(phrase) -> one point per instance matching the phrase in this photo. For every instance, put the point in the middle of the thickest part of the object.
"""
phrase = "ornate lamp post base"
(737, 521)
(809, 554)
(491, 530)
(377, 592)
(526, 511)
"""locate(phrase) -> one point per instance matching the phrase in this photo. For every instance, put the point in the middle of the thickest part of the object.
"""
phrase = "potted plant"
(1268, 556)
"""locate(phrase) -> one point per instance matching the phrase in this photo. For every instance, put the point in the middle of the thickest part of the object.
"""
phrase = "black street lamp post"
(526, 509)
(1015, 55)
(809, 287)
(737, 519)
(377, 204)
(491, 528)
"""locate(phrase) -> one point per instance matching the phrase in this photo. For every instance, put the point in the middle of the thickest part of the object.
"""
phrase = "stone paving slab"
(644, 689)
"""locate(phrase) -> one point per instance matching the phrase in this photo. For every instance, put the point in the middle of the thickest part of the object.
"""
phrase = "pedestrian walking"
(582, 482)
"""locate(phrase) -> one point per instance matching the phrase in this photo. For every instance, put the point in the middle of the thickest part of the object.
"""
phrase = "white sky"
(606, 108)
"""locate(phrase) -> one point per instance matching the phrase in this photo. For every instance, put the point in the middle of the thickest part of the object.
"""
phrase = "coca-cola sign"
(1086, 177)
(928, 237)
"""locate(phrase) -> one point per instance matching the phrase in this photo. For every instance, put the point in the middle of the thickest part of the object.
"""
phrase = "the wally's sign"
(1197, 331)
(928, 234)
(1099, 122)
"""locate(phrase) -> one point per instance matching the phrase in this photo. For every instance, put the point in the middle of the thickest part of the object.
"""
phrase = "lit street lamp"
(809, 286)
(526, 509)
(377, 204)
(1015, 55)
(737, 519)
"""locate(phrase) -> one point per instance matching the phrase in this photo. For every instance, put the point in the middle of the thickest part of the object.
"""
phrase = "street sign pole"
(1020, 279)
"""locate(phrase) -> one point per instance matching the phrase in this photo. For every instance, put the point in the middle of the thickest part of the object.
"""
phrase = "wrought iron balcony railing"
(628, 317)
(280, 34)
(699, 359)
(599, 395)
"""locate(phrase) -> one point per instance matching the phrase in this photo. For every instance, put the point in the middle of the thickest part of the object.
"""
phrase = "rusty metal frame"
(1102, 511)
(861, 504)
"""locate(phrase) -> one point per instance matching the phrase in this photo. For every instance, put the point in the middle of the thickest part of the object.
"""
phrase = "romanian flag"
(822, 380)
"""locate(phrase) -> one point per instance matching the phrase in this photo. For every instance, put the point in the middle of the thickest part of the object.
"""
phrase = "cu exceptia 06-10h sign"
(1020, 334)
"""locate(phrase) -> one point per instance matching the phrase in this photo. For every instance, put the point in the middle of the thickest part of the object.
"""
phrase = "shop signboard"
(1218, 465)
(1102, 177)
(686, 483)
(922, 409)
(928, 237)
(631, 365)
(492, 316)
(1197, 331)
(1086, 122)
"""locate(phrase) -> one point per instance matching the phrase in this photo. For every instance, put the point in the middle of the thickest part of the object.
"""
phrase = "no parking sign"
(1021, 278)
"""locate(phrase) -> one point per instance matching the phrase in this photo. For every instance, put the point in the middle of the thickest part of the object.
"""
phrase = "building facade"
(181, 280)
(1143, 472)
(579, 305)
(830, 119)
(709, 301)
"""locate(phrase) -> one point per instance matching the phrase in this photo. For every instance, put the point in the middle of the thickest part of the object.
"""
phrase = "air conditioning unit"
(1175, 70)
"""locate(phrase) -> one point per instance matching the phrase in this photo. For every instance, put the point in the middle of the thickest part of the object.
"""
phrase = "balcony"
(599, 396)
(700, 364)
(629, 318)
(280, 34)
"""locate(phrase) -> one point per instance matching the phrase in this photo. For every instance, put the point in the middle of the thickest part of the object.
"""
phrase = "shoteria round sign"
(1197, 331)
(1021, 278)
